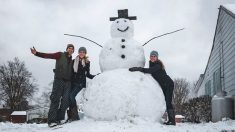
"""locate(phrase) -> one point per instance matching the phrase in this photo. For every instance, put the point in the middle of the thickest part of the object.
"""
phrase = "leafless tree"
(193, 90)
(181, 92)
(16, 84)
(44, 99)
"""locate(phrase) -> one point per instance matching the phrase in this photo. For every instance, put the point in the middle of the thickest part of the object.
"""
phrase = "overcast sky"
(42, 23)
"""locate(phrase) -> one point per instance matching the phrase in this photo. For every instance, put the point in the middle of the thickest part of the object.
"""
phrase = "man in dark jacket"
(61, 85)
(157, 70)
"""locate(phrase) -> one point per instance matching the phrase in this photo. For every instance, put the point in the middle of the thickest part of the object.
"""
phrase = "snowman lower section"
(121, 94)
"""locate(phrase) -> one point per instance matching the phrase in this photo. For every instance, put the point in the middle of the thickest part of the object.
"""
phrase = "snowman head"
(122, 25)
(122, 28)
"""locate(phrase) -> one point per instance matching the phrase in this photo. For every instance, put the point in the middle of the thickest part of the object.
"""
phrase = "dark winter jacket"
(159, 74)
(82, 73)
(63, 67)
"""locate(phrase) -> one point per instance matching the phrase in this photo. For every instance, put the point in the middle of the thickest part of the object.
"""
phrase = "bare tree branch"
(17, 84)
(181, 92)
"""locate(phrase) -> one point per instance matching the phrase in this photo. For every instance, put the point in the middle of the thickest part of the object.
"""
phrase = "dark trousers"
(167, 89)
(59, 100)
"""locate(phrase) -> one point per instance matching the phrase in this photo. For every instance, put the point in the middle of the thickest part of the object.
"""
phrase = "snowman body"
(118, 93)
(121, 94)
(121, 53)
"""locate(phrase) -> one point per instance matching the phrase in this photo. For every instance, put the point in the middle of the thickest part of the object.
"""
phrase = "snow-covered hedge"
(198, 109)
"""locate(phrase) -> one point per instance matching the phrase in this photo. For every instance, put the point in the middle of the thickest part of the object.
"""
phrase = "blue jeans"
(76, 88)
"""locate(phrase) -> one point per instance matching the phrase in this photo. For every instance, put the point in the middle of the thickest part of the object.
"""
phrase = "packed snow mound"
(118, 54)
(121, 94)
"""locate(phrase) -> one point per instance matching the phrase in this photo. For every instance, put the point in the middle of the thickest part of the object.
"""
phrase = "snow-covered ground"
(88, 125)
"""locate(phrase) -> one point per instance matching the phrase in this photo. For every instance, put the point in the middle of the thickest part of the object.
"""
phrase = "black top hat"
(123, 14)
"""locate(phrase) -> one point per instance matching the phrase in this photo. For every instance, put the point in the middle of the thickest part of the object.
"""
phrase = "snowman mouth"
(123, 30)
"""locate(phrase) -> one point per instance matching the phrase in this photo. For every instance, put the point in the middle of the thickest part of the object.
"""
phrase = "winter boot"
(52, 124)
(171, 117)
(74, 114)
(69, 114)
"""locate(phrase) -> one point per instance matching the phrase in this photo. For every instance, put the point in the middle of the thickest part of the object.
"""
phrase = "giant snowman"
(118, 93)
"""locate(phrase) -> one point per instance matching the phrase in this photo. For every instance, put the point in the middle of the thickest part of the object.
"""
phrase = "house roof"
(230, 10)
(179, 116)
(18, 113)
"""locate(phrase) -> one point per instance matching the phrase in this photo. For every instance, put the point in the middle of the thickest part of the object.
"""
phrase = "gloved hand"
(97, 74)
(132, 69)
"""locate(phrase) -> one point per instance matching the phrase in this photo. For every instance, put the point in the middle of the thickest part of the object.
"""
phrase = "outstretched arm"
(151, 69)
(146, 70)
(88, 74)
(45, 55)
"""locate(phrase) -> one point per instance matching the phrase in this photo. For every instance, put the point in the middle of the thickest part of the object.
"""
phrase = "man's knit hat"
(70, 45)
(82, 49)
(155, 53)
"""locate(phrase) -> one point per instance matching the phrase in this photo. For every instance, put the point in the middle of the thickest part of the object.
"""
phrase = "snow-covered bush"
(198, 109)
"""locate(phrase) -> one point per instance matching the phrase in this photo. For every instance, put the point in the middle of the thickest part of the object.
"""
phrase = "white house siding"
(228, 38)
(222, 57)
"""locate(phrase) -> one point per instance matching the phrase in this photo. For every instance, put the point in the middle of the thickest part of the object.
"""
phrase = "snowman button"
(123, 56)
(123, 40)
(123, 46)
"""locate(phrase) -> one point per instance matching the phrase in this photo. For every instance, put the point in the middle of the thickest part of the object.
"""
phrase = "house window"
(208, 88)
(216, 81)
